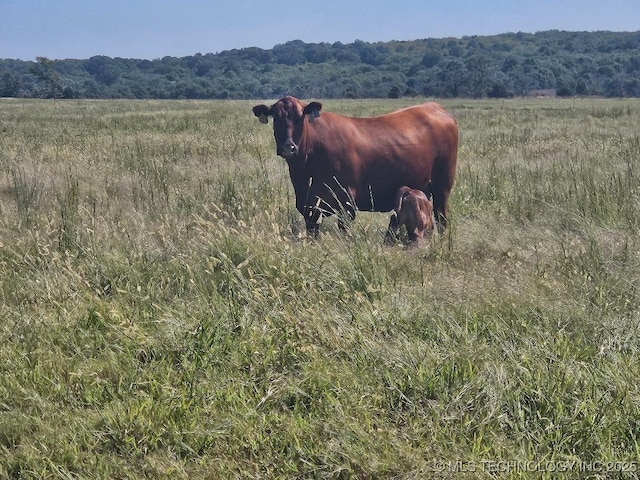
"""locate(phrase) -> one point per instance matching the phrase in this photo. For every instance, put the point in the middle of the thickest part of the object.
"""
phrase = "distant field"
(160, 316)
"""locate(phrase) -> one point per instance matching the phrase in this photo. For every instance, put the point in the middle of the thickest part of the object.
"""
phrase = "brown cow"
(339, 164)
(413, 210)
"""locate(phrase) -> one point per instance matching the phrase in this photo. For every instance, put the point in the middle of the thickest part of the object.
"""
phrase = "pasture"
(161, 316)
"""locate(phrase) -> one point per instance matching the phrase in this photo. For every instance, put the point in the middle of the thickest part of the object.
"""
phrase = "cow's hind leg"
(392, 230)
(441, 184)
(440, 208)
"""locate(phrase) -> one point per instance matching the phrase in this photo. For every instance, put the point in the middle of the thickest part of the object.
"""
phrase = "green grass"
(160, 316)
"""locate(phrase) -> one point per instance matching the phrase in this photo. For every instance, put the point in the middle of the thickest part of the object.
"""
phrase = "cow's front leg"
(343, 205)
(313, 216)
(346, 216)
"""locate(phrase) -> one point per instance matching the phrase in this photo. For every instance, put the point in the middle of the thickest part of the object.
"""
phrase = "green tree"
(431, 58)
(9, 85)
(478, 74)
(44, 70)
(318, 53)
(290, 53)
(452, 76)
(582, 63)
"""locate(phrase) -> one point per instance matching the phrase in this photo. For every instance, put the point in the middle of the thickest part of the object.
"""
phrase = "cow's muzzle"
(288, 149)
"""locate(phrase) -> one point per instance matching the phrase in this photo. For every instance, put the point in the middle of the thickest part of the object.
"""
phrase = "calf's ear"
(313, 110)
(262, 112)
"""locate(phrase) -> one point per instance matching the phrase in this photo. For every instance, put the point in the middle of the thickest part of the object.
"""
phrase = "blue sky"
(154, 28)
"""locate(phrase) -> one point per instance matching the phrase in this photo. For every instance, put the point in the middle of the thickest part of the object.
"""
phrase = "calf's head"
(414, 210)
(289, 115)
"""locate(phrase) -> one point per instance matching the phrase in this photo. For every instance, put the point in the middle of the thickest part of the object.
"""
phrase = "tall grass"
(161, 317)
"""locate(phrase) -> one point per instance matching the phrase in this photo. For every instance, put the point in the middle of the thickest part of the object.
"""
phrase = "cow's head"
(289, 116)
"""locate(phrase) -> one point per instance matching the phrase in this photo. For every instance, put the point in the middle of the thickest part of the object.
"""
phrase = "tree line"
(500, 66)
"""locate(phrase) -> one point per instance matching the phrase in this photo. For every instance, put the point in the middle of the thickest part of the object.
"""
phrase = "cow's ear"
(313, 110)
(262, 112)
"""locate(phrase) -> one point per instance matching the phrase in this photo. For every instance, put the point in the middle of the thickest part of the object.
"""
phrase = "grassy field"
(161, 316)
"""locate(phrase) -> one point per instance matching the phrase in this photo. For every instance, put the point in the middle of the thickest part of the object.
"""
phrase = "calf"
(413, 210)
